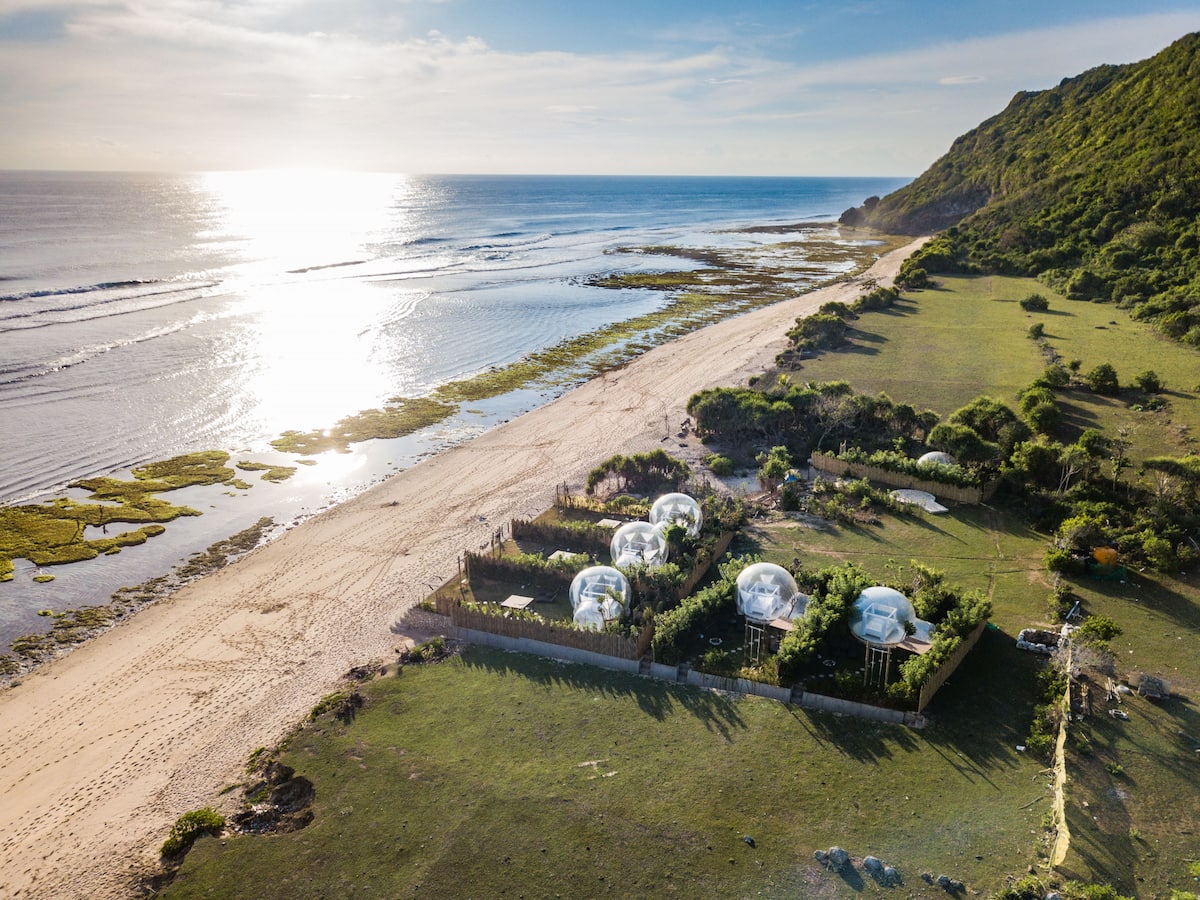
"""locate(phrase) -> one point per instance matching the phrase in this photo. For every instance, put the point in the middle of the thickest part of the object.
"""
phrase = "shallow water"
(143, 316)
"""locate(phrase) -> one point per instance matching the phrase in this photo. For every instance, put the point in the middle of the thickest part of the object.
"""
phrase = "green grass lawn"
(499, 774)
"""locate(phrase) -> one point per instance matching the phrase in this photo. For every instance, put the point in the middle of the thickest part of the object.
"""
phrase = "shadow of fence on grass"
(658, 699)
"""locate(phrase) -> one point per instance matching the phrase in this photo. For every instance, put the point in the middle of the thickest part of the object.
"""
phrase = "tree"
(962, 442)
(775, 465)
(1149, 382)
(1103, 380)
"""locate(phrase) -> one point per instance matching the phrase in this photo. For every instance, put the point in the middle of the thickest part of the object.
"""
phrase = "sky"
(689, 87)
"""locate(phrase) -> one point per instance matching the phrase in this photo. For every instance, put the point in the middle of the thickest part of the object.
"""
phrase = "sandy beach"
(103, 749)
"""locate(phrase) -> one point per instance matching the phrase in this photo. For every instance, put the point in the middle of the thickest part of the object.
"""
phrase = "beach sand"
(103, 749)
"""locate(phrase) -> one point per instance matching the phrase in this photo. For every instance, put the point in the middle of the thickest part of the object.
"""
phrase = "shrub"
(1097, 631)
(1035, 303)
(1149, 382)
(1028, 888)
(775, 465)
(1036, 331)
(719, 464)
(1103, 380)
(1062, 562)
(190, 826)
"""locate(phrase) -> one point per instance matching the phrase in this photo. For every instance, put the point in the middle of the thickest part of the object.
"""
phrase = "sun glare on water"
(308, 320)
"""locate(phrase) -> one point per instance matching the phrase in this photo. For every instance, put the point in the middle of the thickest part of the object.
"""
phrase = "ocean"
(146, 315)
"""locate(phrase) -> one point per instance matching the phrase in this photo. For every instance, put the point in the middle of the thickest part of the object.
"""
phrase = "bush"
(1036, 331)
(190, 826)
(1035, 303)
(1062, 562)
(1149, 382)
(1097, 631)
(719, 464)
(1103, 380)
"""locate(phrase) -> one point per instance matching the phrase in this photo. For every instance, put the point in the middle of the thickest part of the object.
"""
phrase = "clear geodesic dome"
(678, 509)
(937, 458)
(596, 584)
(766, 591)
(878, 616)
(638, 543)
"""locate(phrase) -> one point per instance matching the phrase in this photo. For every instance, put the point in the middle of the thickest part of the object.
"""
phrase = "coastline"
(105, 747)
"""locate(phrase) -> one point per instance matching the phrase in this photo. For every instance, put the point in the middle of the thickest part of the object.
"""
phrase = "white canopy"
(766, 591)
(638, 543)
(678, 509)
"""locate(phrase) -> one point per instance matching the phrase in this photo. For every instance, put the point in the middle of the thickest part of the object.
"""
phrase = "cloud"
(200, 84)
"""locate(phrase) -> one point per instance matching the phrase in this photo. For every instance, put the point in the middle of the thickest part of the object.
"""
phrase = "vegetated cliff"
(1093, 185)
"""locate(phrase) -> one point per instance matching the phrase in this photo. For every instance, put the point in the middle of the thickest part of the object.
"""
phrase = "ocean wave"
(15, 374)
(81, 289)
(318, 268)
(97, 307)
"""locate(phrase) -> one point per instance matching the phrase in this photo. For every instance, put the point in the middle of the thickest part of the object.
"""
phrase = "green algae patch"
(189, 470)
(53, 533)
(399, 417)
(270, 473)
(42, 579)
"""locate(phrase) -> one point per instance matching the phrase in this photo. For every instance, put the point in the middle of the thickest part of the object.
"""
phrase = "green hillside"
(1093, 186)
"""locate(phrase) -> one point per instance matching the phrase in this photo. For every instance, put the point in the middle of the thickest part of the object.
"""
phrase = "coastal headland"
(103, 749)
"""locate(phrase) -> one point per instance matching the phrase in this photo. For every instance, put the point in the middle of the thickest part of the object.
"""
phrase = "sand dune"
(103, 749)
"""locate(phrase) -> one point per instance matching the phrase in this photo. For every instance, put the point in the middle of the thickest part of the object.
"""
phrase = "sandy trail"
(103, 749)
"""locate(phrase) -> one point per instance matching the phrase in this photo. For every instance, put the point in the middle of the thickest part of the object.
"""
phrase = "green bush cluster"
(642, 472)
(675, 628)
(965, 614)
(805, 417)
(831, 593)
(189, 827)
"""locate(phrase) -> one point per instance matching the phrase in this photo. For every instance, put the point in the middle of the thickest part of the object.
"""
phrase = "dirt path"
(102, 750)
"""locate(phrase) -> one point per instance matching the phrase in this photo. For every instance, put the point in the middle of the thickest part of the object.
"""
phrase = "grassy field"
(942, 347)
(499, 774)
(506, 775)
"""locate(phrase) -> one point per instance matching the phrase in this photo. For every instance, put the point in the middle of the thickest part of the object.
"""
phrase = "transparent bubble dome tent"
(678, 509)
(937, 458)
(766, 592)
(638, 544)
(878, 616)
(598, 594)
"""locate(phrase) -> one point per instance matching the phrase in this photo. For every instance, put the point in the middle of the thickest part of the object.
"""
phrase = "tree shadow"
(1149, 593)
(982, 714)
(654, 697)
